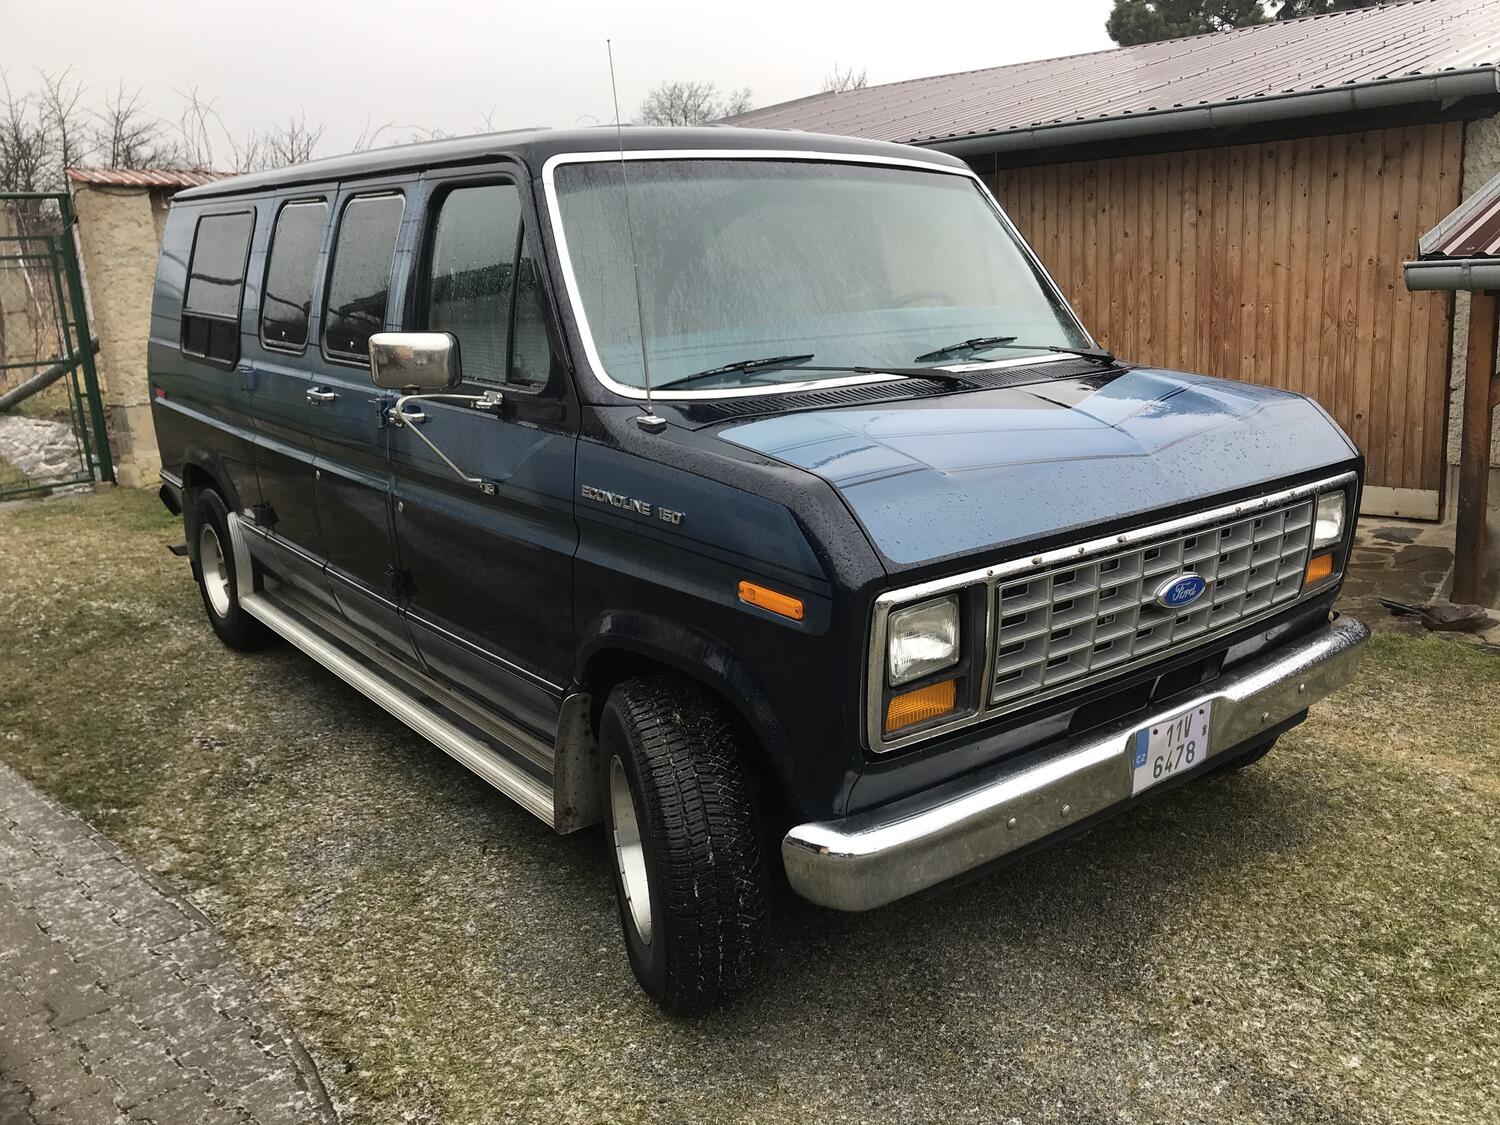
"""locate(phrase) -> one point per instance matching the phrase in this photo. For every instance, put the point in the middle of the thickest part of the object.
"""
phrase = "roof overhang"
(1383, 94)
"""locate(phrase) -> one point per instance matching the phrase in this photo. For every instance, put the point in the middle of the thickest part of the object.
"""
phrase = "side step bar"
(531, 794)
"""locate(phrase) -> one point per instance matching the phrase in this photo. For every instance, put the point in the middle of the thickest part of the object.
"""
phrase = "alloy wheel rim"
(630, 854)
(215, 571)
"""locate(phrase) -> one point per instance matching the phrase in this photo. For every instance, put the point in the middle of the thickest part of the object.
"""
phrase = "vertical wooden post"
(1474, 449)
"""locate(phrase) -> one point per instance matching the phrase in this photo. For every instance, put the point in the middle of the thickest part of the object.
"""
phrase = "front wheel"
(689, 870)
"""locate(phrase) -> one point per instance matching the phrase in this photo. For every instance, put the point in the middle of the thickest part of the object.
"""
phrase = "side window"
(286, 301)
(482, 281)
(361, 279)
(215, 285)
(531, 347)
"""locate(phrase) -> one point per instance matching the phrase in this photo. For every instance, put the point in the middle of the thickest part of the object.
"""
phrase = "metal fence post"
(81, 333)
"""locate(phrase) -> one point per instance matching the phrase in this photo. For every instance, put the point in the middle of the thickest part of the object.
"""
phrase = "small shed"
(1463, 253)
(1241, 203)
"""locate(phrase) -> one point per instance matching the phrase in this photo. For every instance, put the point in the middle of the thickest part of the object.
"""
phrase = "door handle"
(317, 395)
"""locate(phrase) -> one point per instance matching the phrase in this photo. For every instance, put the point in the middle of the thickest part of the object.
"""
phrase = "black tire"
(206, 519)
(700, 843)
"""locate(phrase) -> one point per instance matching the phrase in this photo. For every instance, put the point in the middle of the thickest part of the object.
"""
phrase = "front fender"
(699, 656)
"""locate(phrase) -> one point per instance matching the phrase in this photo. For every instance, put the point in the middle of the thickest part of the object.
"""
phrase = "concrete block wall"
(119, 234)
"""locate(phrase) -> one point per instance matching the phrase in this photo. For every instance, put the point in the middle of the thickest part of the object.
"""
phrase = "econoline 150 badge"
(1180, 591)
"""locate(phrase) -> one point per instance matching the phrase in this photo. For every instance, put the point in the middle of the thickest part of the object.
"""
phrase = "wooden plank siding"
(1276, 263)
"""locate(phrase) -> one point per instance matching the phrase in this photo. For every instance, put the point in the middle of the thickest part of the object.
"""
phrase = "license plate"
(1169, 747)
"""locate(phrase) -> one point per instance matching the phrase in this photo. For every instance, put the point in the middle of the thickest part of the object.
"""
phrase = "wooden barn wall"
(1276, 263)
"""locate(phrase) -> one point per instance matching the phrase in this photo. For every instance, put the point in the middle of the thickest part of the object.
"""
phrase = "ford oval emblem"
(1180, 591)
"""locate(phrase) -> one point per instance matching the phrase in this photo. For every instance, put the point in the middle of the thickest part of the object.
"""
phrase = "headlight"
(1328, 526)
(922, 639)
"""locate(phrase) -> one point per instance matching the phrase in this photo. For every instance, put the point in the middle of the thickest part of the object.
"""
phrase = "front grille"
(1063, 625)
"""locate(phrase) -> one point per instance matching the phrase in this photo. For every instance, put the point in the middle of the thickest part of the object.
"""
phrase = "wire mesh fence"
(51, 416)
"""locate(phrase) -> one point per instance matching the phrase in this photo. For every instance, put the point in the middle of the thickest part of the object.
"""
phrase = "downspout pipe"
(1236, 114)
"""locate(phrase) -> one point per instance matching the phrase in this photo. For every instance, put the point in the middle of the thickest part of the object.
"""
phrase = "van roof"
(534, 146)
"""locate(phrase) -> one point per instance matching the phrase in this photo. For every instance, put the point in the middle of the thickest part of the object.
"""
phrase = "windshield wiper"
(936, 374)
(739, 366)
(984, 343)
(973, 344)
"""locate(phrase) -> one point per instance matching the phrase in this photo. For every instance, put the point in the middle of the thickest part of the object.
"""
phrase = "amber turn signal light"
(1318, 569)
(772, 600)
(913, 707)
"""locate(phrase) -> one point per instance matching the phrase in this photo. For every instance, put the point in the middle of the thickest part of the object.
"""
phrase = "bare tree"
(368, 135)
(737, 102)
(26, 158)
(415, 133)
(127, 136)
(28, 163)
(292, 143)
(62, 99)
(197, 125)
(691, 103)
(838, 80)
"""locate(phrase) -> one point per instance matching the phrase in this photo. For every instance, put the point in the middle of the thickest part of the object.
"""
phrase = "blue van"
(755, 494)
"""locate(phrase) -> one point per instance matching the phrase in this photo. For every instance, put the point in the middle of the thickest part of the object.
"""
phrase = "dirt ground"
(1314, 939)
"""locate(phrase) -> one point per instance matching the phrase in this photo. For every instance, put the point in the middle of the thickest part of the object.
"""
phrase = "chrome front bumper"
(877, 856)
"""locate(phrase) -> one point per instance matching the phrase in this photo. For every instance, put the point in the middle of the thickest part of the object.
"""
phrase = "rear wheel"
(207, 519)
(689, 870)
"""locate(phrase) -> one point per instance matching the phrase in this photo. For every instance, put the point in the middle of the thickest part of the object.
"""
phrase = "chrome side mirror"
(425, 361)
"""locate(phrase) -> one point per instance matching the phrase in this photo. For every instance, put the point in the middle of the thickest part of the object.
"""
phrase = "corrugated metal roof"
(145, 177)
(1288, 57)
(1471, 230)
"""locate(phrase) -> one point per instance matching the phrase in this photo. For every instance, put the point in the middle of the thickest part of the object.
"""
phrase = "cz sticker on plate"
(1169, 747)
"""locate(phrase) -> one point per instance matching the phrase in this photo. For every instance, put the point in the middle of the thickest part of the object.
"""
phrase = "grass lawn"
(10, 476)
(1314, 939)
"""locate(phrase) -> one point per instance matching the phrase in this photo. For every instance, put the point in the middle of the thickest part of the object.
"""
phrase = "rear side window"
(287, 301)
(215, 285)
(361, 279)
(482, 286)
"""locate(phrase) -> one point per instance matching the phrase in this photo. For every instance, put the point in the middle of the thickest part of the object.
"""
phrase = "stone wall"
(119, 232)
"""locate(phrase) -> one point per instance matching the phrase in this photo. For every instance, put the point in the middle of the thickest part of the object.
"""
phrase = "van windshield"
(825, 264)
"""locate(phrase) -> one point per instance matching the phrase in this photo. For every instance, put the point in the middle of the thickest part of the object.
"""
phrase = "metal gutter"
(1449, 274)
(1257, 110)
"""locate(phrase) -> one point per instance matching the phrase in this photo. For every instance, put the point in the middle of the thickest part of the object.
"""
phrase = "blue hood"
(936, 477)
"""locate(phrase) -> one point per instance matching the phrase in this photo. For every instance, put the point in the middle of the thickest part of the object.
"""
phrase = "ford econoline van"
(756, 495)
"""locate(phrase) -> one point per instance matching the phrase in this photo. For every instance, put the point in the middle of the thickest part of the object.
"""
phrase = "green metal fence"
(52, 431)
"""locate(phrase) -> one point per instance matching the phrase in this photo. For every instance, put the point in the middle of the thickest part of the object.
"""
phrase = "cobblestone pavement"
(1397, 559)
(118, 1001)
(1404, 561)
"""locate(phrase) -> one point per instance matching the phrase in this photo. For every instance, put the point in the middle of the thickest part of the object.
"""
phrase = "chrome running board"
(366, 677)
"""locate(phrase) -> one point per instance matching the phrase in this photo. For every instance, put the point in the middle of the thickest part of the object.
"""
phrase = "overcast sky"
(446, 64)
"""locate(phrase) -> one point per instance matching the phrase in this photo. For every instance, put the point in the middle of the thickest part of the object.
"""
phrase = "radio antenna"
(648, 421)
